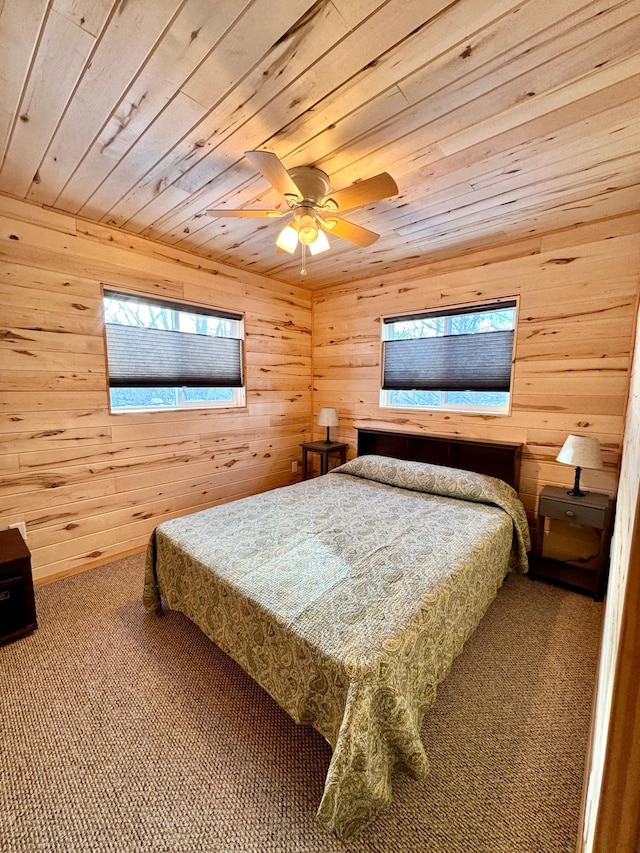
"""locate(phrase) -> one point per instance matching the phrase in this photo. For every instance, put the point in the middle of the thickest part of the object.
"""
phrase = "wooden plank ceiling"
(498, 119)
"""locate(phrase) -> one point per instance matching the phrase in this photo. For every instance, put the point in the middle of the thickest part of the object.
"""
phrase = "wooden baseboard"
(93, 564)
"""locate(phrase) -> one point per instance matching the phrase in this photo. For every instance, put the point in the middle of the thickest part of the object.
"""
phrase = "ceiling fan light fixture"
(312, 205)
(307, 228)
(287, 239)
(321, 244)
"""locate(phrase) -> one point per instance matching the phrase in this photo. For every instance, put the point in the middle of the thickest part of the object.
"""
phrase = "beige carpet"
(124, 732)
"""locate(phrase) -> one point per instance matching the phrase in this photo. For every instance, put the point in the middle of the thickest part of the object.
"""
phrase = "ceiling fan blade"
(248, 212)
(271, 167)
(353, 233)
(365, 192)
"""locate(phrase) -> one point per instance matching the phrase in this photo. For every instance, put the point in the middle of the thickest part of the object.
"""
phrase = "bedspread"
(347, 598)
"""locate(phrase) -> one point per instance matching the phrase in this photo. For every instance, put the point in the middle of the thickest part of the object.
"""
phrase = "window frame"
(449, 310)
(238, 400)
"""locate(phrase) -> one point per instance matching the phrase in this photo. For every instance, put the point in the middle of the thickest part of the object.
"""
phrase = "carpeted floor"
(124, 732)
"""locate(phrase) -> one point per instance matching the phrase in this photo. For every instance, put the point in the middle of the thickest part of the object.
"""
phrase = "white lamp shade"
(328, 418)
(582, 451)
(287, 239)
(321, 244)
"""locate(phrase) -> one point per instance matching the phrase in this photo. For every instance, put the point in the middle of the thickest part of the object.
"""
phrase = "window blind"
(479, 361)
(141, 357)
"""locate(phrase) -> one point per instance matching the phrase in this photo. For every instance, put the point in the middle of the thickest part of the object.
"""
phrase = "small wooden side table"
(592, 510)
(324, 450)
(17, 602)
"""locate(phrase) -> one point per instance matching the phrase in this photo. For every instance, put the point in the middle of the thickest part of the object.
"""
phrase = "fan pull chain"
(303, 268)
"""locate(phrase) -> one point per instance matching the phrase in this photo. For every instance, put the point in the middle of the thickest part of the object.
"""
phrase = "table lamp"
(582, 451)
(328, 418)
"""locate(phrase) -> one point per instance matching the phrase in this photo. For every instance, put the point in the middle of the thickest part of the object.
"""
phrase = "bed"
(347, 597)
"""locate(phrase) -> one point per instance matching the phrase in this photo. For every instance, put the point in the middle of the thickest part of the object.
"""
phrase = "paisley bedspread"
(347, 598)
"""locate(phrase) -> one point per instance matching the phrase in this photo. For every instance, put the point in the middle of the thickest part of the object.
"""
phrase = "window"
(170, 355)
(454, 358)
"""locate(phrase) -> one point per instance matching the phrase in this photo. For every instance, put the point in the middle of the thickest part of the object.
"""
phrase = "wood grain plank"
(148, 100)
(23, 442)
(36, 381)
(19, 38)
(121, 51)
(228, 63)
(45, 98)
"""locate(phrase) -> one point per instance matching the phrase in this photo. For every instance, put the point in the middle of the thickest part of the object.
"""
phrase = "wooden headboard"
(496, 458)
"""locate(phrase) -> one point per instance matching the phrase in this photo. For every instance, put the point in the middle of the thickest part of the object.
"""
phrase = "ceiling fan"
(307, 193)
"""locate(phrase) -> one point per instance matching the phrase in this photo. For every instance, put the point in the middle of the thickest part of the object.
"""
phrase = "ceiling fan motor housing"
(313, 184)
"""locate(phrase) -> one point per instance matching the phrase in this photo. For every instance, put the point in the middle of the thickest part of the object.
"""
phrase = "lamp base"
(328, 438)
(575, 492)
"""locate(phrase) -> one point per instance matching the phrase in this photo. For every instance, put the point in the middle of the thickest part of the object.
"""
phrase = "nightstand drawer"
(577, 514)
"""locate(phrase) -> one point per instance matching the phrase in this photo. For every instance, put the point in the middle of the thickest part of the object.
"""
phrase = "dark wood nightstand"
(17, 602)
(592, 510)
(324, 450)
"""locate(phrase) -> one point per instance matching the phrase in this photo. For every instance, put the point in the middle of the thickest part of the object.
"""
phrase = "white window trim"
(238, 402)
(468, 409)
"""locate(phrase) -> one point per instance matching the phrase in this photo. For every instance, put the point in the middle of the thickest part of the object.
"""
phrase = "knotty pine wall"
(578, 291)
(91, 485)
(612, 817)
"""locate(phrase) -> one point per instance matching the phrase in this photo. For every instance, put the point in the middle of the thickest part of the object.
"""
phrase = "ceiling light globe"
(287, 239)
(307, 229)
(308, 235)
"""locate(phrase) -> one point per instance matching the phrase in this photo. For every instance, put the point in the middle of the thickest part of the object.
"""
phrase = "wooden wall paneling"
(109, 259)
(15, 443)
(16, 507)
(470, 277)
(611, 812)
(91, 485)
(98, 557)
(406, 422)
(48, 381)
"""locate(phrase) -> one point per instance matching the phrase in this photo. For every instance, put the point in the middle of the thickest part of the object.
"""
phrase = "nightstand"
(592, 510)
(17, 603)
(324, 450)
